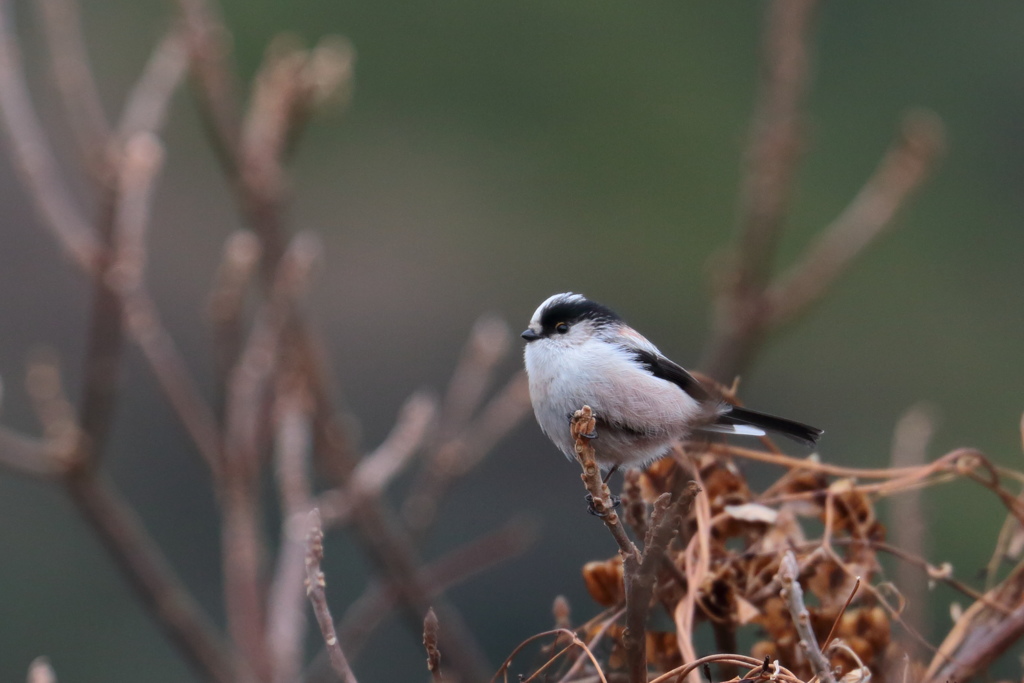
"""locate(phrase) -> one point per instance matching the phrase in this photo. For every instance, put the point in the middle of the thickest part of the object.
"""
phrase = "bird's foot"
(615, 502)
(589, 436)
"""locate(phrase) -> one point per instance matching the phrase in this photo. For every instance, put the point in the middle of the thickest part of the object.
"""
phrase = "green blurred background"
(496, 153)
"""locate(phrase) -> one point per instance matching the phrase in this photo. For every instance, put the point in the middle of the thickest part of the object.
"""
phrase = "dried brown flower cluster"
(741, 561)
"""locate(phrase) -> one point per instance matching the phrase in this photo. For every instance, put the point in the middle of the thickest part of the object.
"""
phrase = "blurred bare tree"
(276, 410)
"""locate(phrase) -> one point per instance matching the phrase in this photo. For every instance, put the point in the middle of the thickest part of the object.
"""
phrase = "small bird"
(579, 352)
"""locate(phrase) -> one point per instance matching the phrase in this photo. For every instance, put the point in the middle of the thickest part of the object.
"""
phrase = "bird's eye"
(562, 328)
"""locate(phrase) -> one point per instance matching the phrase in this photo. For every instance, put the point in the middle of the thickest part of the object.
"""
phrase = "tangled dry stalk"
(742, 560)
(715, 555)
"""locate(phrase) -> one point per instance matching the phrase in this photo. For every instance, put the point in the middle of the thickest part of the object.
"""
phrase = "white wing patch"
(744, 430)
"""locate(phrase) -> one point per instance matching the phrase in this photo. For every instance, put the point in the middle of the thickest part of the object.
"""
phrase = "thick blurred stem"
(772, 158)
(151, 577)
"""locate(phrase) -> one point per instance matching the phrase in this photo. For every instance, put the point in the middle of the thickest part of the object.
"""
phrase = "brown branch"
(584, 423)
(488, 342)
(772, 158)
(388, 547)
(560, 632)
(638, 569)
(75, 84)
(226, 301)
(152, 578)
(430, 628)
(756, 673)
(750, 303)
(315, 585)
(982, 633)
(286, 623)
(793, 594)
(122, 229)
(376, 470)
(144, 113)
(374, 605)
(900, 172)
(775, 138)
(25, 455)
(117, 526)
(210, 64)
(243, 545)
(174, 376)
(35, 160)
(666, 517)
(145, 110)
(464, 450)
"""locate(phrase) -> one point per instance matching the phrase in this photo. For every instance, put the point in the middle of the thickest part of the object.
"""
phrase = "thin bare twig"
(210, 63)
(430, 628)
(149, 573)
(127, 199)
(243, 542)
(288, 86)
(286, 623)
(145, 109)
(226, 302)
(459, 565)
(681, 672)
(902, 169)
(35, 160)
(583, 424)
(503, 669)
(488, 343)
(25, 455)
(601, 631)
(789, 573)
(315, 590)
(458, 455)
(376, 470)
(78, 92)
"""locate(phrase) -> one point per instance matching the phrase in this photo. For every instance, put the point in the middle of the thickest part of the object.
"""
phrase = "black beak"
(529, 335)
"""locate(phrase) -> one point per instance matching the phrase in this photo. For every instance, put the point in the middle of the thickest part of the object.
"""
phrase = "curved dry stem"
(681, 672)
(553, 632)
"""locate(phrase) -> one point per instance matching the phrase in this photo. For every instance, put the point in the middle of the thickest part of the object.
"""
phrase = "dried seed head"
(604, 581)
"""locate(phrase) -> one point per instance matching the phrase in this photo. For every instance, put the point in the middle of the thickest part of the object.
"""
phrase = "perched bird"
(579, 352)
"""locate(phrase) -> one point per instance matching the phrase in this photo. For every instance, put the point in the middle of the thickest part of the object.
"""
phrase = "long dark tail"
(797, 431)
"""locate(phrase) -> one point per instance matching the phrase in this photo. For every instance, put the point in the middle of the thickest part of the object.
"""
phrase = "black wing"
(663, 368)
